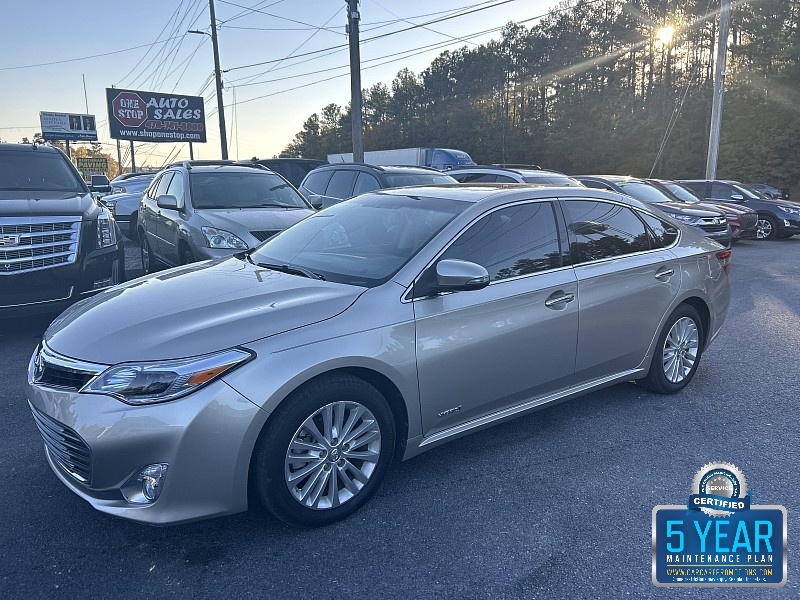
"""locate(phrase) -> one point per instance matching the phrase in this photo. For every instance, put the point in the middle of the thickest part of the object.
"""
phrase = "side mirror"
(167, 201)
(460, 275)
(737, 197)
(315, 200)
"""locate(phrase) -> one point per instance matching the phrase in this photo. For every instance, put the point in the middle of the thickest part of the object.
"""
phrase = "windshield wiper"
(291, 269)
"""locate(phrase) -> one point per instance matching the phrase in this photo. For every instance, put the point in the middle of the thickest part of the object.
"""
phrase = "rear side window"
(662, 233)
(603, 230)
(512, 241)
(341, 184)
(317, 182)
(38, 171)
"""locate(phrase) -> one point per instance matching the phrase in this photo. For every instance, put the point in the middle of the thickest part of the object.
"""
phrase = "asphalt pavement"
(552, 505)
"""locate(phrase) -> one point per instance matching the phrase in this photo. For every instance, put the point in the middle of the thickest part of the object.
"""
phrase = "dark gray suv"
(198, 211)
(330, 184)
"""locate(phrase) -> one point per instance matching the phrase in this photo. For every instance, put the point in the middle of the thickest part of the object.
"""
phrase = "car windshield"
(561, 180)
(751, 192)
(259, 189)
(643, 192)
(38, 171)
(363, 241)
(683, 194)
(394, 180)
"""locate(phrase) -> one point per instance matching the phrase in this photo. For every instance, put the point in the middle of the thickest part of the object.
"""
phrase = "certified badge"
(719, 489)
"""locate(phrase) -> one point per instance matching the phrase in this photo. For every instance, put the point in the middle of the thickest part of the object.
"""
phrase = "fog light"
(145, 487)
(786, 223)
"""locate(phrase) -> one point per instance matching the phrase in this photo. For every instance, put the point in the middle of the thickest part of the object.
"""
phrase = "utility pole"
(223, 138)
(133, 159)
(719, 89)
(355, 80)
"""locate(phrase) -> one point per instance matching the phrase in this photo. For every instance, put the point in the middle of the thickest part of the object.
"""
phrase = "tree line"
(596, 87)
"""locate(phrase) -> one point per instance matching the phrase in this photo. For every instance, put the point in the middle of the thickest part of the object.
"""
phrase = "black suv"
(330, 184)
(57, 243)
(294, 170)
(776, 218)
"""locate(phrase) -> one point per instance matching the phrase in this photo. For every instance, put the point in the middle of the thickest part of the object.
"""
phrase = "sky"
(49, 47)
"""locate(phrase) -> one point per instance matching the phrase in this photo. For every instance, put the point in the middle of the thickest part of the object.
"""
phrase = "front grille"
(61, 377)
(52, 370)
(65, 446)
(748, 220)
(713, 224)
(263, 236)
(37, 243)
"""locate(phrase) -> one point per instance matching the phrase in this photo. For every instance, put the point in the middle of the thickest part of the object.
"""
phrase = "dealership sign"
(68, 127)
(155, 117)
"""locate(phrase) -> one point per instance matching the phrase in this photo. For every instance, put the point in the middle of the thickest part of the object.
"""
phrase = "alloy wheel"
(763, 229)
(332, 455)
(680, 349)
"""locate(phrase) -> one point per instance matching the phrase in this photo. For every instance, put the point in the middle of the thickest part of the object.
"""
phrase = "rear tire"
(677, 352)
(324, 451)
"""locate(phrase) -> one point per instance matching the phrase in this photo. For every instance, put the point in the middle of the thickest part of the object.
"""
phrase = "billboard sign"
(155, 117)
(93, 164)
(68, 127)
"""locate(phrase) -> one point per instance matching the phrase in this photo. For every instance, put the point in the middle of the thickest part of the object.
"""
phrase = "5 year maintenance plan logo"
(719, 538)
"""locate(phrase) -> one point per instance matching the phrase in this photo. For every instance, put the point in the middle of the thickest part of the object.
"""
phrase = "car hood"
(254, 219)
(682, 208)
(193, 310)
(728, 208)
(39, 204)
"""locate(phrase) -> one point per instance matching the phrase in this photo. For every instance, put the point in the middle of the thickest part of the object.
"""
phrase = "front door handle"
(556, 301)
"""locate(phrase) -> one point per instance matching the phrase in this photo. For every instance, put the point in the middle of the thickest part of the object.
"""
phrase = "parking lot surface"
(552, 505)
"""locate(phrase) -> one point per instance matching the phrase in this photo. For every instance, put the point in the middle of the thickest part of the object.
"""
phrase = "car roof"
(519, 170)
(478, 192)
(379, 168)
(6, 146)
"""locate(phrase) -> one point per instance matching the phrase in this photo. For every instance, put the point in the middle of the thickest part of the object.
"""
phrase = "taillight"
(724, 258)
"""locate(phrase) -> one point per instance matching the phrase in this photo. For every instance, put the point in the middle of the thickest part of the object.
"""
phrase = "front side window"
(238, 189)
(603, 230)
(341, 184)
(163, 185)
(512, 241)
(177, 189)
(722, 191)
(365, 183)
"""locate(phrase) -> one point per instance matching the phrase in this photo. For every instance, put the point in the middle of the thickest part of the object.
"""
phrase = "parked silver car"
(378, 328)
(194, 211)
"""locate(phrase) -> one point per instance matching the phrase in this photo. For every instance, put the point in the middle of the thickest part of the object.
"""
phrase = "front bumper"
(54, 288)
(206, 438)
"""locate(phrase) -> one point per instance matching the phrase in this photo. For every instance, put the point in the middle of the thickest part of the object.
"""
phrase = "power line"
(68, 60)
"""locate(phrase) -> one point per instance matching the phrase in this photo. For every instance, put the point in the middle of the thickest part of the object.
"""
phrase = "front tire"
(148, 260)
(324, 451)
(766, 228)
(677, 352)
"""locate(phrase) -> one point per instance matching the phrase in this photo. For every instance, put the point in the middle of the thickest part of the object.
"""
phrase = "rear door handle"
(555, 301)
(665, 274)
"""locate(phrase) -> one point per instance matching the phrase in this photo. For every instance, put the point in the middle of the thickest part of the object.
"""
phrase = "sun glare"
(664, 35)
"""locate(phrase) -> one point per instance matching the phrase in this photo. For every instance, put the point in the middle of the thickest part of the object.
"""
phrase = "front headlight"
(106, 232)
(159, 381)
(219, 238)
(790, 210)
(686, 219)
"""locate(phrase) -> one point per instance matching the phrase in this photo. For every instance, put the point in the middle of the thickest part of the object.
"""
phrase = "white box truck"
(438, 158)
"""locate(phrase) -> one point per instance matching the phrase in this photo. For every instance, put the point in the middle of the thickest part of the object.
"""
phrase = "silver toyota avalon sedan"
(378, 328)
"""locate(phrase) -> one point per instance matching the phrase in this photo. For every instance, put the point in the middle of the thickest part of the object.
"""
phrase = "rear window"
(560, 180)
(38, 171)
(243, 190)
